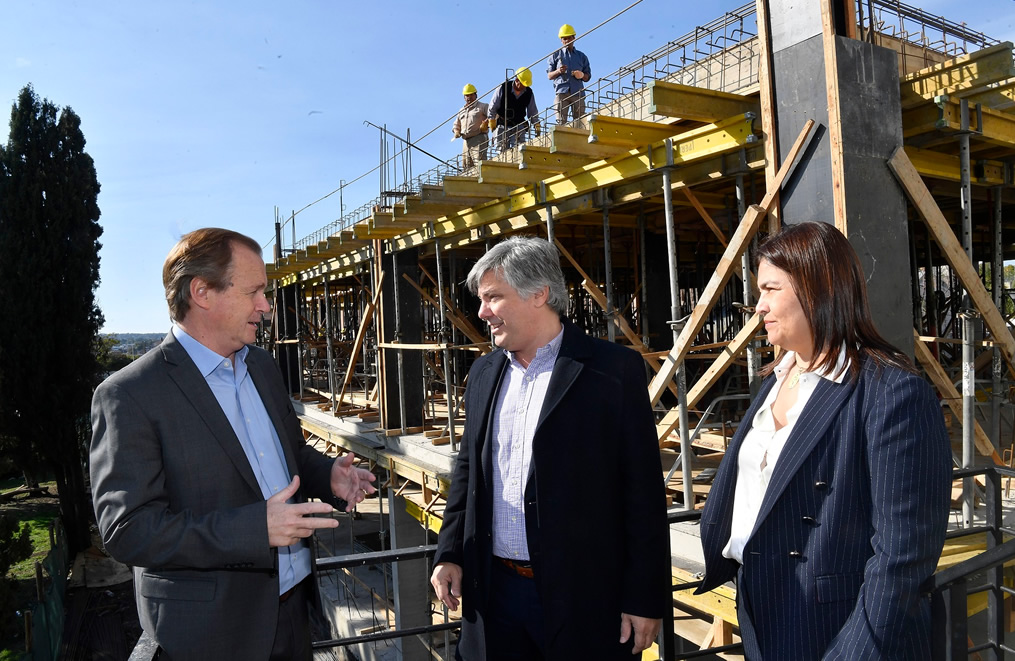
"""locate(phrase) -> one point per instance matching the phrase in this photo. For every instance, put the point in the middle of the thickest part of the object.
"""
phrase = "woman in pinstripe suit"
(831, 505)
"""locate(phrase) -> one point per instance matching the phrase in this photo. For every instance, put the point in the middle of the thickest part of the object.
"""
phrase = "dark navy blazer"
(852, 523)
(593, 557)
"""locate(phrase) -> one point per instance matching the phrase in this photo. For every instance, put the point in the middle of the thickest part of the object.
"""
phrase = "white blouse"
(762, 446)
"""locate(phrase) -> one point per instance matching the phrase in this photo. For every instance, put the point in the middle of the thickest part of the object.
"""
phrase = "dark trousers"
(514, 626)
(292, 637)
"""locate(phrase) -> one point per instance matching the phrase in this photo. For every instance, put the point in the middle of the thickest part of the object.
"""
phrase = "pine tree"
(49, 270)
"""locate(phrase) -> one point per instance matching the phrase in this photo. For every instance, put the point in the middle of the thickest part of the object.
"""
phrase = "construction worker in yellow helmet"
(471, 126)
(569, 69)
(513, 108)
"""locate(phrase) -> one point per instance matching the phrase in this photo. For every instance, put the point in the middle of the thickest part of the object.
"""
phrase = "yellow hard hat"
(469, 89)
(565, 31)
(524, 76)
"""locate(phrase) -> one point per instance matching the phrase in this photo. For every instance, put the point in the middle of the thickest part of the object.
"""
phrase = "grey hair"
(527, 264)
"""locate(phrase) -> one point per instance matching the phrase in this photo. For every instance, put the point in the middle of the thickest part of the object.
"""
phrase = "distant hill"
(135, 344)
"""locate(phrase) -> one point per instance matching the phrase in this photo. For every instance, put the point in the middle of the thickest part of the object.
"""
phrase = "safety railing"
(951, 588)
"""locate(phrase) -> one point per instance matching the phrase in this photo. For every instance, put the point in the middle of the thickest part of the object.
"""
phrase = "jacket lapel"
(823, 407)
(487, 386)
(185, 374)
(573, 347)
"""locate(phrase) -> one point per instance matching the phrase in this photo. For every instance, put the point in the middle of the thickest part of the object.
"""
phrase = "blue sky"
(213, 113)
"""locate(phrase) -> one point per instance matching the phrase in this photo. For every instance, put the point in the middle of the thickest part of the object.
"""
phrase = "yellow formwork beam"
(568, 140)
(945, 115)
(703, 105)
(470, 187)
(540, 158)
(688, 148)
(430, 521)
(720, 602)
(936, 165)
(364, 230)
(1001, 97)
(628, 133)
(493, 172)
(970, 73)
(333, 268)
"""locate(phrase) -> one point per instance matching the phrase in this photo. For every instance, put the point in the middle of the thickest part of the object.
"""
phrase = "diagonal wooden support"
(925, 205)
(625, 328)
(951, 396)
(712, 374)
(707, 217)
(364, 323)
(729, 261)
(452, 314)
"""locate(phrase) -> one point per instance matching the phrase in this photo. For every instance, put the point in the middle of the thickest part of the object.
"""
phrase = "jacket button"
(821, 485)
(809, 520)
(796, 554)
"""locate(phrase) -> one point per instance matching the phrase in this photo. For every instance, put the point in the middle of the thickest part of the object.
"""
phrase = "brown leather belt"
(282, 598)
(523, 569)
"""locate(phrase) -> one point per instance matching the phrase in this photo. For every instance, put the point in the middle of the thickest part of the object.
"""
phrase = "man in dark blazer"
(554, 534)
(851, 524)
(201, 475)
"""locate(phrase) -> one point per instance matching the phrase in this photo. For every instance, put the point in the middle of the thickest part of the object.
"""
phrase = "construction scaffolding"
(655, 198)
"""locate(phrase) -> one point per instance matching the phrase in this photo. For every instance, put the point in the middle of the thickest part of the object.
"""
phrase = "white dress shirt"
(762, 446)
(519, 403)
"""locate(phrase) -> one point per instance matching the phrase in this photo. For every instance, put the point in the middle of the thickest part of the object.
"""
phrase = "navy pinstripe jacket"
(852, 523)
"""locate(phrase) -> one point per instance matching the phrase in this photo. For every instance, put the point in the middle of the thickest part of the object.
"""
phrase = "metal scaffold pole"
(676, 324)
(611, 330)
(745, 265)
(997, 288)
(328, 332)
(449, 385)
(398, 339)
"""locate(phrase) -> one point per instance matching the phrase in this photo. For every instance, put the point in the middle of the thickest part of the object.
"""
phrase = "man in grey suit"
(201, 475)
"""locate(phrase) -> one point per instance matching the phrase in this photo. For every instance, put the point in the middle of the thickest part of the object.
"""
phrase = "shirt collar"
(551, 349)
(207, 361)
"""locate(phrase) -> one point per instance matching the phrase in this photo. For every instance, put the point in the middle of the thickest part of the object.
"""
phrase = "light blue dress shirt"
(237, 395)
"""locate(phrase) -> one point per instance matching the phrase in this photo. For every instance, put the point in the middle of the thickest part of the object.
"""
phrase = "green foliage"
(15, 546)
(49, 239)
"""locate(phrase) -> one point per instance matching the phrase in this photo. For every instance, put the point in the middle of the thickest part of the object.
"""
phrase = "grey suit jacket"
(851, 525)
(175, 497)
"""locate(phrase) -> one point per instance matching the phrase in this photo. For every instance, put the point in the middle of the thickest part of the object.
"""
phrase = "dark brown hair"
(205, 253)
(829, 283)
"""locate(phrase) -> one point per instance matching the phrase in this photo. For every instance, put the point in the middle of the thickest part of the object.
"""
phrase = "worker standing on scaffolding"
(471, 126)
(513, 101)
(568, 68)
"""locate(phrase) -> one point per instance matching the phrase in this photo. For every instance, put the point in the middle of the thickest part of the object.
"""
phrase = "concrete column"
(870, 129)
(410, 580)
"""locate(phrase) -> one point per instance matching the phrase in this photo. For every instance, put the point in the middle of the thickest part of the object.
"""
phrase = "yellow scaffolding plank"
(568, 140)
(540, 158)
(703, 105)
(936, 165)
(470, 187)
(628, 133)
(944, 115)
(966, 73)
(492, 172)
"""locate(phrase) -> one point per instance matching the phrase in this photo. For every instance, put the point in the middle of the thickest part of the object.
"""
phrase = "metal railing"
(950, 588)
